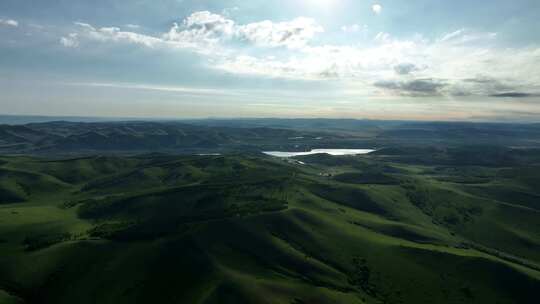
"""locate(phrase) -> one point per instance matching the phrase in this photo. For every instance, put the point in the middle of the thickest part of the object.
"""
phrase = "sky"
(384, 59)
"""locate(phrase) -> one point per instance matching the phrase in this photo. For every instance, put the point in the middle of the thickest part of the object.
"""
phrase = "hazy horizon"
(17, 119)
(172, 59)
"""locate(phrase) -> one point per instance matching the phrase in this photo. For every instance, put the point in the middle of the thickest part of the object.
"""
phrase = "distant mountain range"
(135, 136)
(215, 136)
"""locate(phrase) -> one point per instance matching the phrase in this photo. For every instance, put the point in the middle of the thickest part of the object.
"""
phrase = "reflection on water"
(336, 152)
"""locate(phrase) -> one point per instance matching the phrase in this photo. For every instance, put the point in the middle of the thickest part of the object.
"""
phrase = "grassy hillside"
(254, 229)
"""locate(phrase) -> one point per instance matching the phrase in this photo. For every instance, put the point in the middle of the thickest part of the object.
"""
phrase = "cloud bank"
(454, 64)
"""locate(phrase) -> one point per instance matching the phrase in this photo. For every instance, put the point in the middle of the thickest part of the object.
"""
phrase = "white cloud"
(208, 28)
(71, 41)
(147, 87)
(203, 32)
(267, 67)
(202, 27)
(377, 8)
(9, 22)
(108, 34)
(453, 64)
(292, 34)
(452, 35)
(463, 36)
(115, 34)
(208, 33)
(383, 37)
(406, 65)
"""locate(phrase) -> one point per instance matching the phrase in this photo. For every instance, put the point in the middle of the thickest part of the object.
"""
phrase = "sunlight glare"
(322, 3)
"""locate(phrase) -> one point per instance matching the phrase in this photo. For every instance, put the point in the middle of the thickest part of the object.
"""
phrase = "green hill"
(254, 229)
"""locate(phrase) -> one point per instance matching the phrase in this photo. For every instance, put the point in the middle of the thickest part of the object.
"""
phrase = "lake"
(335, 152)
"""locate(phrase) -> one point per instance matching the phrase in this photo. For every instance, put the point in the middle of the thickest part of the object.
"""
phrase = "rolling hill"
(246, 228)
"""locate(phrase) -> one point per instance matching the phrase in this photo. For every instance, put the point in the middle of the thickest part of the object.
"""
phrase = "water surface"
(335, 152)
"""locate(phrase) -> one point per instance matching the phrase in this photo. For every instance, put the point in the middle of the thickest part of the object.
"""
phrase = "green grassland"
(245, 228)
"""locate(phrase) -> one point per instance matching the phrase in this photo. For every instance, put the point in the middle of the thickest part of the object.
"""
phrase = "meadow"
(396, 226)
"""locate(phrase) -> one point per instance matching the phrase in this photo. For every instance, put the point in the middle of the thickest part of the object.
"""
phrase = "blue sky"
(415, 59)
